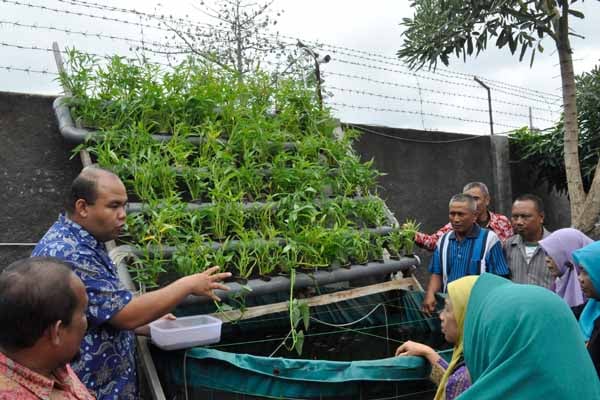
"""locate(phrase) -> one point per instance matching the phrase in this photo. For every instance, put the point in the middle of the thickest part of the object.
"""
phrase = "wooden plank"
(258, 311)
(149, 369)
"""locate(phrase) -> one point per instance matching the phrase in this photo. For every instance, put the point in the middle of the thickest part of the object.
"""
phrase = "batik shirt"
(458, 381)
(107, 364)
(18, 382)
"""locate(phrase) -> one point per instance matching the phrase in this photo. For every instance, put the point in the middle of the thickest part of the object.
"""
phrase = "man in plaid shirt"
(497, 223)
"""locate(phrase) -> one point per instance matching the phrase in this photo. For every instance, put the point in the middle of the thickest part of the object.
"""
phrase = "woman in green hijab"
(522, 342)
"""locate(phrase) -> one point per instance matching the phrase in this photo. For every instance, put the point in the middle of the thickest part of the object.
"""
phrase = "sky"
(374, 89)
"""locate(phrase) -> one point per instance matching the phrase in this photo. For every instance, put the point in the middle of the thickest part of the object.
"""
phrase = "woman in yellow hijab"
(453, 378)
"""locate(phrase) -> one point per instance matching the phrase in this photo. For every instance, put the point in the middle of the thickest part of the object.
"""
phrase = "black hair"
(35, 293)
(537, 201)
(83, 187)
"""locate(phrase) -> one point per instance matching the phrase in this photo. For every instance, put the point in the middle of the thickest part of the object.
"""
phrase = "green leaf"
(523, 50)
(305, 312)
(575, 13)
(299, 343)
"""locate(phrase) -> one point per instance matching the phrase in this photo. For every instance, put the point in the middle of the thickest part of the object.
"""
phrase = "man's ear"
(81, 208)
(54, 332)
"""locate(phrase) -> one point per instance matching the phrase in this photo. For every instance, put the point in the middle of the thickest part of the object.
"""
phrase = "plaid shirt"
(18, 382)
(497, 223)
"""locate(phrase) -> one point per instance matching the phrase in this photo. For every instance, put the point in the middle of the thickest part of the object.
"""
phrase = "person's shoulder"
(10, 388)
(511, 240)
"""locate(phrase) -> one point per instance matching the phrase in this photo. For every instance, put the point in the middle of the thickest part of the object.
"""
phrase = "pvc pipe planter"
(135, 207)
(74, 135)
(281, 283)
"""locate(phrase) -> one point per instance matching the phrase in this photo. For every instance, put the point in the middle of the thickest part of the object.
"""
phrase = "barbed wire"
(50, 50)
(181, 20)
(453, 75)
(339, 49)
(143, 45)
(370, 55)
(397, 110)
(28, 70)
(140, 44)
(82, 14)
(390, 97)
(336, 49)
(445, 93)
(444, 81)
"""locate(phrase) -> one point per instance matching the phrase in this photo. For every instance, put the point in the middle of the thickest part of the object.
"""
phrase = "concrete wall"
(558, 212)
(424, 169)
(36, 171)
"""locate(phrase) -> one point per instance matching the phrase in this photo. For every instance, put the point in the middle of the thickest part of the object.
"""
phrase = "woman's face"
(587, 287)
(449, 325)
(552, 267)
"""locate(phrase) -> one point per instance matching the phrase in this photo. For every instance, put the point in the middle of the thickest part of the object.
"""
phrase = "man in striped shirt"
(467, 249)
(485, 218)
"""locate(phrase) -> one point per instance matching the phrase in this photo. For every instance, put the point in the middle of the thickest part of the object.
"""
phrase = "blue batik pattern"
(107, 364)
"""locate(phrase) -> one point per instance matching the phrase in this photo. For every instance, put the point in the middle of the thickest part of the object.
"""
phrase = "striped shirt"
(453, 259)
(533, 272)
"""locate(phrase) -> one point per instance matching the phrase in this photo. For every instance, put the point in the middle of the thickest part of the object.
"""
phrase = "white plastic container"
(185, 332)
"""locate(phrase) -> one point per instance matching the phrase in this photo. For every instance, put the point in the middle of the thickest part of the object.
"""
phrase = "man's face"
(72, 334)
(482, 200)
(526, 220)
(106, 217)
(462, 217)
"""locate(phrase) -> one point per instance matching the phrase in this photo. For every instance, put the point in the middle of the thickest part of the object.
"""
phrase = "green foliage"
(544, 151)
(277, 190)
(441, 28)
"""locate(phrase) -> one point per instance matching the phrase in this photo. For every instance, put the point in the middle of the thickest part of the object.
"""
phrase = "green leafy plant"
(409, 230)
(298, 311)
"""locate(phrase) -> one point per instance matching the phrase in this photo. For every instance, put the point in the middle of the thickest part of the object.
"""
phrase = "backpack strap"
(443, 251)
(490, 240)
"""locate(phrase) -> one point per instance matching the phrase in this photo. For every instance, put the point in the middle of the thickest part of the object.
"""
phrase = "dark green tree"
(544, 151)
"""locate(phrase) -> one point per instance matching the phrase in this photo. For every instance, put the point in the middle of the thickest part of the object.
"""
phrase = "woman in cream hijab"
(453, 378)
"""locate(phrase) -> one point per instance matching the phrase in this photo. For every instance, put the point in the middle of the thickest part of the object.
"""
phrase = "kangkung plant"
(224, 143)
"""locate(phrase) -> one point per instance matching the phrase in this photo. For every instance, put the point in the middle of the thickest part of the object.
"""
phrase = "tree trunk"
(573, 171)
(588, 218)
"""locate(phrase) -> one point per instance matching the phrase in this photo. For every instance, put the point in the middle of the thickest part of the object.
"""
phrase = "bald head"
(97, 202)
(85, 186)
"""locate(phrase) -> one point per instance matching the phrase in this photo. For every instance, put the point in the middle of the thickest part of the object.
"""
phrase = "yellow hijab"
(459, 292)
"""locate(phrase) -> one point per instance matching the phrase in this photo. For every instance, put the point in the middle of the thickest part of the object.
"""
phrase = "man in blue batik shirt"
(95, 213)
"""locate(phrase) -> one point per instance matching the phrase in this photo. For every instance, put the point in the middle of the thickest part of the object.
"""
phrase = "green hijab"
(522, 342)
